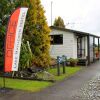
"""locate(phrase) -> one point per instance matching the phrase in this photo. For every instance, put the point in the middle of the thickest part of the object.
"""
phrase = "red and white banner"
(13, 39)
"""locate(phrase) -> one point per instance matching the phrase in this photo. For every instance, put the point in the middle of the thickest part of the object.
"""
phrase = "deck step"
(82, 62)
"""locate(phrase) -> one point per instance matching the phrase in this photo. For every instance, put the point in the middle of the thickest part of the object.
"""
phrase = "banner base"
(4, 90)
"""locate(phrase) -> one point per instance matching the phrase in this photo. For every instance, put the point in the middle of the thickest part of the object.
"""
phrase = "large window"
(56, 39)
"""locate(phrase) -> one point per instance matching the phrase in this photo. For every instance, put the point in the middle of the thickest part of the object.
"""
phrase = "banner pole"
(4, 85)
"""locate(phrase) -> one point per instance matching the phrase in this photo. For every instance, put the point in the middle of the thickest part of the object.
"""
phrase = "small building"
(74, 44)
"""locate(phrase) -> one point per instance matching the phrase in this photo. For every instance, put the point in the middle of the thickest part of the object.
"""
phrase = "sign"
(13, 39)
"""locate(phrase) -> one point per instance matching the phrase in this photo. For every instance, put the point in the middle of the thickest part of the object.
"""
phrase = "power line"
(71, 24)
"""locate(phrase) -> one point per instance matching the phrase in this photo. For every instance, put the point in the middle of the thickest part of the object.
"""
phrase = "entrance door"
(80, 47)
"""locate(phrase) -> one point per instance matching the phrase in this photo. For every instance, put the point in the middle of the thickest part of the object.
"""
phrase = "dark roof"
(74, 31)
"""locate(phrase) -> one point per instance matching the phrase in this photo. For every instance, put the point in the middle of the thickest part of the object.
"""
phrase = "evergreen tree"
(6, 7)
(36, 31)
(59, 22)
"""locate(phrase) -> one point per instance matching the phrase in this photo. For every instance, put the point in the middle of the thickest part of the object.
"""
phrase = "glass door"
(80, 47)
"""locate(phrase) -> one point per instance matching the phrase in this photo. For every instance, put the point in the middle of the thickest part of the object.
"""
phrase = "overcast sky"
(83, 15)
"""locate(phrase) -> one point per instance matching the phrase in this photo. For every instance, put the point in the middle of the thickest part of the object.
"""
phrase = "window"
(56, 39)
(80, 47)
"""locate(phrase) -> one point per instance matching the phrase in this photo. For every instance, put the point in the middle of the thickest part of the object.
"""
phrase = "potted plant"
(73, 62)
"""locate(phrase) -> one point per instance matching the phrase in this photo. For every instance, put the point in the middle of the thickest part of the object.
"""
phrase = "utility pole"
(51, 12)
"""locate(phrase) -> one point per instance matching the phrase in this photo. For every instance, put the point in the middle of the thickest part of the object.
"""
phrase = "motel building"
(74, 44)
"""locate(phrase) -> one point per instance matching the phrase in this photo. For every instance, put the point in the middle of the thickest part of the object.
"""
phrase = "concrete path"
(64, 90)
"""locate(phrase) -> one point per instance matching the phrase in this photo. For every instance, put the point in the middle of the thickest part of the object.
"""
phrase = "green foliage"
(36, 31)
(69, 72)
(26, 56)
(6, 7)
(38, 85)
(72, 61)
(59, 22)
(26, 85)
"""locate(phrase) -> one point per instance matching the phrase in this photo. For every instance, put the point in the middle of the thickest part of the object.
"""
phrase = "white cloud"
(84, 13)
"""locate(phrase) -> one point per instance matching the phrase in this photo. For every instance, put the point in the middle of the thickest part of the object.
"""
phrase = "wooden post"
(64, 68)
(88, 48)
(4, 85)
(58, 69)
(58, 66)
(93, 48)
(98, 49)
(64, 63)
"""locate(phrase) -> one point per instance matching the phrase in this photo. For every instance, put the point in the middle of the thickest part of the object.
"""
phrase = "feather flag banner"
(13, 39)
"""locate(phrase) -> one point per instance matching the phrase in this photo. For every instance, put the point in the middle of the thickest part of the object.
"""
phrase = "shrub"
(72, 61)
(53, 62)
(26, 56)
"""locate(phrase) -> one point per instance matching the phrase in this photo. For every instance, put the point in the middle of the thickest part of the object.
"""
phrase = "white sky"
(83, 15)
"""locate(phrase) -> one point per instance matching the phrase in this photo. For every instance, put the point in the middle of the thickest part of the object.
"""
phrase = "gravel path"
(90, 91)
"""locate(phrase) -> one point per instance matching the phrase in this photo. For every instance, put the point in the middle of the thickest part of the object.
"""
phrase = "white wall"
(69, 47)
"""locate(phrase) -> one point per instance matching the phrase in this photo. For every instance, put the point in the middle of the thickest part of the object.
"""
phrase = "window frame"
(54, 41)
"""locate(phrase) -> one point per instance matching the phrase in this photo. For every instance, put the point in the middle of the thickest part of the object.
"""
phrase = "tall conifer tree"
(36, 31)
(6, 7)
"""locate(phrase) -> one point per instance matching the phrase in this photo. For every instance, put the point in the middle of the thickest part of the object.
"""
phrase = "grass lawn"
(69, 71)
(27, 85)
(34, 86)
